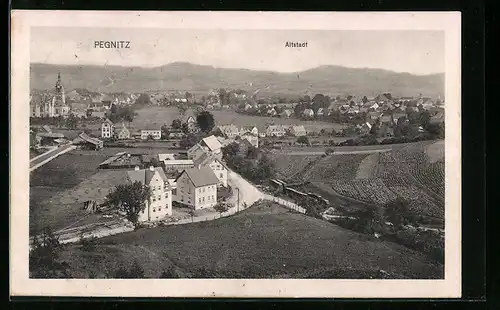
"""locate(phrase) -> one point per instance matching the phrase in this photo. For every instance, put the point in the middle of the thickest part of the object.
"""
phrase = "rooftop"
(201, 177)
(146, 175)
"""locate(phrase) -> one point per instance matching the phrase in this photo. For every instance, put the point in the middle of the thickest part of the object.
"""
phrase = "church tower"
(59, 99)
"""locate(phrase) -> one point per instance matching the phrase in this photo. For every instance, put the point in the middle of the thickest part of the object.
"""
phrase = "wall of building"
(220, 172)
(206, 197)
(160, 204)
(185, 193)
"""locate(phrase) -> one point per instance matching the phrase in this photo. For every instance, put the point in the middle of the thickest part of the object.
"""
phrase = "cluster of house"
(252, 133)
(233, 132)
(56, 102)
(350, 106)
(111, 130)
(44, 137)
(192, 182)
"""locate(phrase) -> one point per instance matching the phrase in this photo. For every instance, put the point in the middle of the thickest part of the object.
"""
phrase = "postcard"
(235, 154)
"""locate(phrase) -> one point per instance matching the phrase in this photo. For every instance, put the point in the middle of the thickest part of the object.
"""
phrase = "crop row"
(432, 177)
(289, 166)
(420, 202)
(335, 167)
(369, 190)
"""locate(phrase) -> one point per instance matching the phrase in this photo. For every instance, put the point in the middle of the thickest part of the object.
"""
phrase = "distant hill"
(180, 76)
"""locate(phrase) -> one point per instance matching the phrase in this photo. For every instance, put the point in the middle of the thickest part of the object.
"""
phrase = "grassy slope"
(59, 175)
(259, 242)
(200, 79)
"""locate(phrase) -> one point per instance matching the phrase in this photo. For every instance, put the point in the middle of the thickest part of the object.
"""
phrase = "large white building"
(107, 129)
(160, 204)
(154, 133)
(197, 188)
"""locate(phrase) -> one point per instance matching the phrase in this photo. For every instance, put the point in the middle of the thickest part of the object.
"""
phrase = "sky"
(416, 52)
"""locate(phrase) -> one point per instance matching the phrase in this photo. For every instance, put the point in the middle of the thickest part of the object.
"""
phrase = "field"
(59, 188)
(407, 172)
(261, 242)
(155, 117)
(334, 167)
(289, 167)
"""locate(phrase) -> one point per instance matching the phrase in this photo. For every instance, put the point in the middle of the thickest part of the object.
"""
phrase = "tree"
(205, 121)
(188, 141)
(264, 169)
(131, 198)
(143, 99)
(221, 208)
(165, 132)
(369, 221)
(44, 261)
(176, 124)
(113, 109)
(298, 110)
(71, 121)
(230, 151)
(364, 100)
(303, 140)
(397, 213)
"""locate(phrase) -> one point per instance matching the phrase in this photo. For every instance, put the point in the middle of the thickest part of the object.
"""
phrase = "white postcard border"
(21, 285)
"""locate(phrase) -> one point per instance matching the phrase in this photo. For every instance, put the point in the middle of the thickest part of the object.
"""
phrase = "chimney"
(151, 168)
(136, 168)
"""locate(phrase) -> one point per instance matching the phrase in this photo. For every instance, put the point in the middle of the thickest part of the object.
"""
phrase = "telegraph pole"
(238, 205)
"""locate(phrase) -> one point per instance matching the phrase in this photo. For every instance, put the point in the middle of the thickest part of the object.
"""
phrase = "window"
(154, 209)
(203, 189)
(159, 208)
(199, 200)
(159, 197)
(142, 212)
(166, 195)
(154, 198)
(221, 175)
(213, 197)
(199, 190)
(203, 199)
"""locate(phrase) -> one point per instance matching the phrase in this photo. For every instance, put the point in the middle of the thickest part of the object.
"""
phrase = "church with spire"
(50, 104)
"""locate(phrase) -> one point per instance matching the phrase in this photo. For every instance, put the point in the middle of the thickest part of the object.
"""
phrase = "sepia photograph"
(230, 153)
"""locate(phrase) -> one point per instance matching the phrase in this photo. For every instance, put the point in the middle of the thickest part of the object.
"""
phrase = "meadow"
(264, 241)
(59, 188)
(156, 116)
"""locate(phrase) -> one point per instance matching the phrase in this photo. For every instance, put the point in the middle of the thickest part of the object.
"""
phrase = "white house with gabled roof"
(197, 188)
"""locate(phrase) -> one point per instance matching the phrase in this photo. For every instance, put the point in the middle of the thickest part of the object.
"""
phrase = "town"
(120, 162)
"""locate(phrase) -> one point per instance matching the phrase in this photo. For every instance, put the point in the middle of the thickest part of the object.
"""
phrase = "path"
(44, 158)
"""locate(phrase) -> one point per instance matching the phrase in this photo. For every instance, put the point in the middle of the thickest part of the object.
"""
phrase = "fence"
(286, 203)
